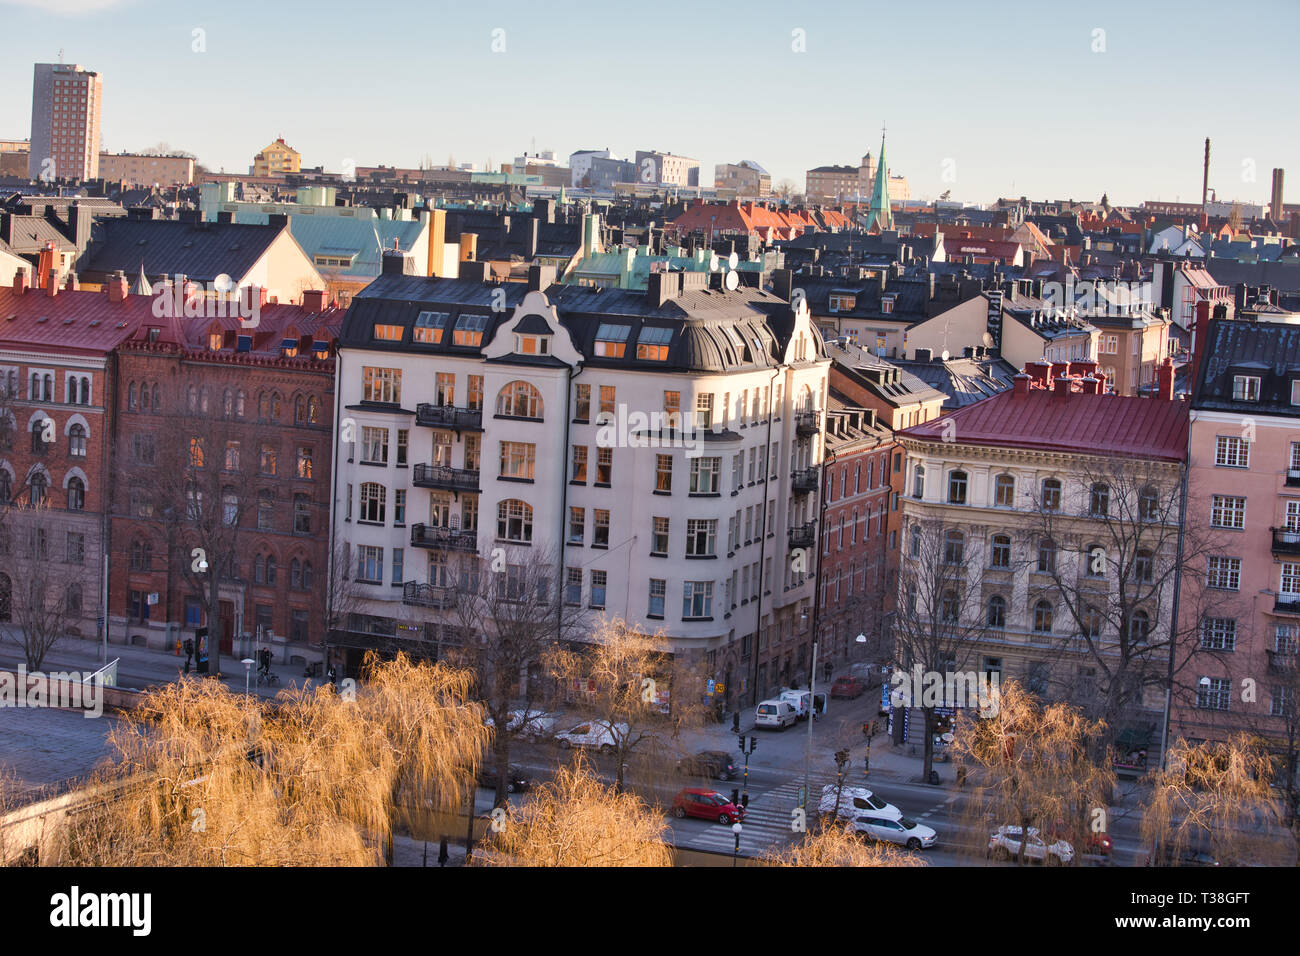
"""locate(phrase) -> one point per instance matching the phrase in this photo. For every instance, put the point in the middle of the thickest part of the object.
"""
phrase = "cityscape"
(372, 496)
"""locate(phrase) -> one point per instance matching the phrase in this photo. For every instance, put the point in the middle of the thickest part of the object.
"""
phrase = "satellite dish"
(731, 281)
(733, 260)
(988, 340)
(944, 355)
(713, 262)
(223, 283)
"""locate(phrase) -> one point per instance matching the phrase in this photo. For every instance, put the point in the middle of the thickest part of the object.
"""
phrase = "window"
(1219, 634)
(673, 409)
(579, 471)
(949, 607)
(515, 521)
(388, 333)
(518, 460)
(265, 510)
(582, 403)
(370, 564)
(1051, 498)
(373, 497)
(1149, 504)
(380, 385)
(76, 548)
(704, 411)
(607, 403)
(954, 547)
(476, 392)
(1231, 452)
(266, 459)
(1046, 556)
(1290, 582)
(600, 528)
(37, 484)
(956, 488)
(915, 537)
(1000, 552)
(573, 586)
(398, 568)
(1213, 693)
(1004, 491)
(1099, 500)
(705, 473)
(997, 611)
(76, 494)
(1042, 618)
(577, 525)
(611, 340)
(444, 388)
(1144, 567)
(598, 580)
(1227, 511)
(659, 538)
(701, 537)
(469, 329)
(918, 482)
(302, 514)
(38, 435)
(658, 590)
(604, 466)
(429, 328)
(77, 441)
(304, 461)
(1223, 573)
(697, 599)
(1245, 388)
(519, 400)
(532, 344)
(652, 343)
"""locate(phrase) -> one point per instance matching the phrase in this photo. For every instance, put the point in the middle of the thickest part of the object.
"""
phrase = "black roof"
(1267, 350)
(201, 251)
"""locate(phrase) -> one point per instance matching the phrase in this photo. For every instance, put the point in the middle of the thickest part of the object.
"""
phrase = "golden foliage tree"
(832, 845)
(577, 820)
(210, 778)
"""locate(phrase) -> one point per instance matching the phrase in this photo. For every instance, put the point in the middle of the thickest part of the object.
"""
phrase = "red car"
(848, 687)
(1094, 844)
(707, 805)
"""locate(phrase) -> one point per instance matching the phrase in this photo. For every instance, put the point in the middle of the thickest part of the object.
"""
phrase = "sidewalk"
(141, 667)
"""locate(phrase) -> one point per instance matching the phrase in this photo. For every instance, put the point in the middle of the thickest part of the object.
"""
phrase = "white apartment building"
(647, 438)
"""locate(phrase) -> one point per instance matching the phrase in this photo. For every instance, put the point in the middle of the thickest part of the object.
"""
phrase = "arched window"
(295, 573)
(954, 547)
(515, 521)
(71, 390)
(519, 400)
(38, 436)
(132, 399)
(1046, 556)
(957, 482)
(259, 569)
(76, 494)
(77, 441)
(1043, 618)
(264, 405)
(299, 410)
(192, 398)
(997, 612)
(275, 406)
(6, 486)
(157, 398)
(35, 390)
(203, 399)
(918, 482)
(1139, 626)
(911, 599)
(85, 391)
(270, 570)
(48, 387)
(141, 556)
(313, 410)
(916, 540)
(240, 398)
(227, 403)
(1051, 496)
(306, 575)
(37, 484)
(1099, 500)
(1000, 551)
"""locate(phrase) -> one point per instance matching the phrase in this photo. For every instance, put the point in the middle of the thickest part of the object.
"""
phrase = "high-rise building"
(66, 103)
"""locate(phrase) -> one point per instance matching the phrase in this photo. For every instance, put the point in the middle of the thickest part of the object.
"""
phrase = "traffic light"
(753, 744)
(741, 745)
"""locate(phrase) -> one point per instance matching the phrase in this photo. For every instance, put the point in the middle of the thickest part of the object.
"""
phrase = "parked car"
(1095, 844)
(1004, 844)
(774, 713)
(850, 687)
(516, 780)
(800, 700)
(592, 733)
(532, 725)
(709, 763)
(856, 802)
(706, 805)
(902, 831)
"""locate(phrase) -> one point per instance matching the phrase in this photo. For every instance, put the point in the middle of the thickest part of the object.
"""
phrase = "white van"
(800, 700)
(774, 713)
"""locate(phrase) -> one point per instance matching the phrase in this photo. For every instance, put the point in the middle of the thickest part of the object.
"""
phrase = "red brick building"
(263, 396)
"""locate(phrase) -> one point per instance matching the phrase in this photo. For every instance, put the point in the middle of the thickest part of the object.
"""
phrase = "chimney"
(1101, 382)
(1090, 385)
(21, 281)
(1038, 372)
(1061, 387)
(1021, 384)
(923, 355)
(540, 278)
(278, 219)
(225, 216)
(117, 287)
(782, 284)
(1165, 378)
(1060, 369)
(1200, 329)
(475, 271)
(52, 286)
(662, 286)
(315, 300)
(45, 267)
(72, 284)
(468, 246)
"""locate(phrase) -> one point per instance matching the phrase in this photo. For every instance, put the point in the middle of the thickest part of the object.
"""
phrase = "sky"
(986, 99)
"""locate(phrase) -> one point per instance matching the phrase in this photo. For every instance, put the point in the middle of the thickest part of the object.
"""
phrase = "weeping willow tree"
(205, 777)
(577, 820)
(832, 845)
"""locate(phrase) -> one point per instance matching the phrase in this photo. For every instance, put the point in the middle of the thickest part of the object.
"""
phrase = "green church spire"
(879, 216)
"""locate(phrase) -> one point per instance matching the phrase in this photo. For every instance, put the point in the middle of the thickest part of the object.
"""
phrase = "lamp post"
(736, 829)
(248, 664)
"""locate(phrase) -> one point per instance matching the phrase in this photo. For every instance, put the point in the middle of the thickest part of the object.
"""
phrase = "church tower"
(879, 216)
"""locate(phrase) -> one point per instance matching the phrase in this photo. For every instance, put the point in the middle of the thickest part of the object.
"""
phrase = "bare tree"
(46, 598)
(512, 617)
(940, 614)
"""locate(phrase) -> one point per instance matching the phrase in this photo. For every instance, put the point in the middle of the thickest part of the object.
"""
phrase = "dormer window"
(533, 344)
(214, 341)
(1295, 391)
(611, 340)
(887, 304)
(429, 328)
(842, 303)
(469, 329)
(388, 333)
(652, 343)
(1245, 388)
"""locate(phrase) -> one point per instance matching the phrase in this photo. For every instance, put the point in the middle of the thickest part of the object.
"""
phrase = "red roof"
(1080, 423)
(753, 218)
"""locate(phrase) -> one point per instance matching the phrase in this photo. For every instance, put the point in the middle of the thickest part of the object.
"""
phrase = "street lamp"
(736, 829)
(248, 663)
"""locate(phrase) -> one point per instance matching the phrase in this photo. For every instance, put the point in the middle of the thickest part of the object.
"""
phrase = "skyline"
(675, 105)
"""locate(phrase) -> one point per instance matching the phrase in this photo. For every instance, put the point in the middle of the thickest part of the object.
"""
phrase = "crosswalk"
(770, 819)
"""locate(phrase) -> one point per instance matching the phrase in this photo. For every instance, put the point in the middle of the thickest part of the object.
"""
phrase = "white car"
(905, 832)
(800, 700)
(775, 713)
(592, 733)
(532, 725)
(856, 802)
(1004, 844)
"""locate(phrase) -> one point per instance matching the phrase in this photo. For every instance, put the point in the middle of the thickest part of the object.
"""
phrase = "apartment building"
(66, 106)
(645, 444)
(276, 159)
(666, 169)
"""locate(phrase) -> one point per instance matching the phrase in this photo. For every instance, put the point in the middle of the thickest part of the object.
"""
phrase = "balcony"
(442, 476)
(803, 535)
(428, 595)
(1279, 663)
(448, 416)
(443, 539)
(804, 481)
(807, 424)
(1293, 477)
(1286, 604)
(1285, 541)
